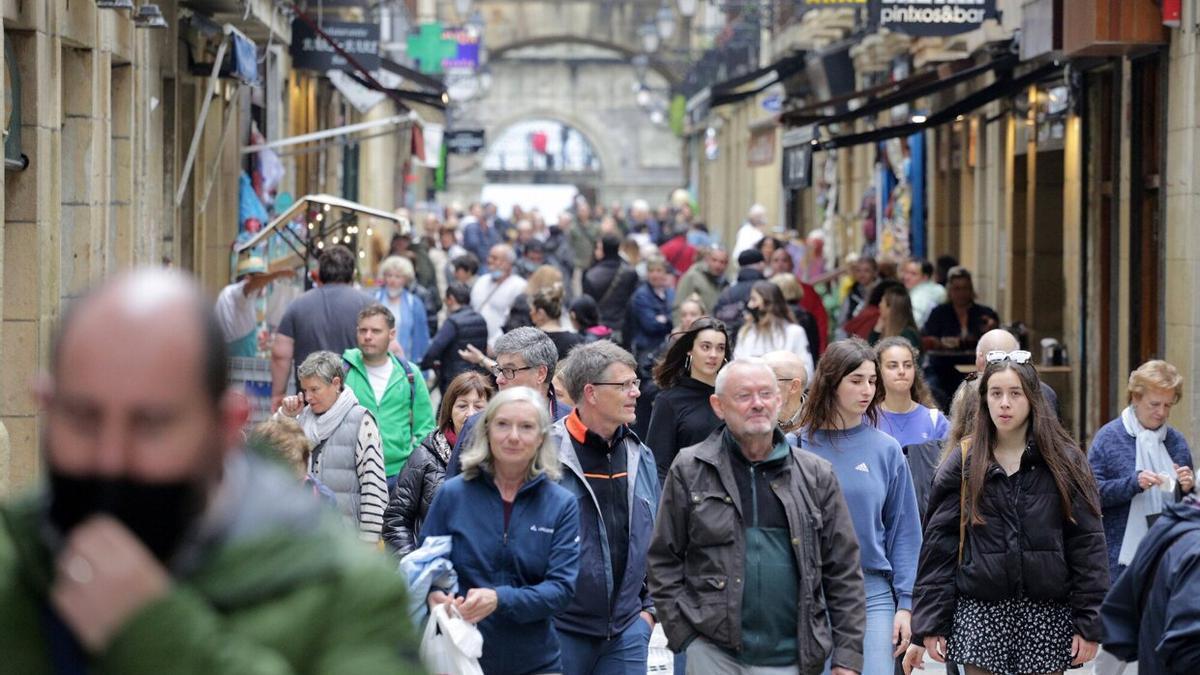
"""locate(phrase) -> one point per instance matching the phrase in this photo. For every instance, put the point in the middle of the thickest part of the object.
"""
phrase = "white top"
(379, 376)
(793, 339)
(748, 235)
(494, 301)
(236, 312)
(925, 296)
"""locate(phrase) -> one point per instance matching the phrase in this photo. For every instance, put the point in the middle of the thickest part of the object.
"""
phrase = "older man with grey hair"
(751, 535)
(494, 293)
(607, 626)
(792, 375)
(525, 357)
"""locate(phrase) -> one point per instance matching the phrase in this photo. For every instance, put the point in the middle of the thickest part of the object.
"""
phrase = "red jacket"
(811, 302)
(679, 253)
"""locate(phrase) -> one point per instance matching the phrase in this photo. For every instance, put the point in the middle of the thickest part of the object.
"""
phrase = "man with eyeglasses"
(525, 357)
(752, 535)
(792, 377)
(607, 626)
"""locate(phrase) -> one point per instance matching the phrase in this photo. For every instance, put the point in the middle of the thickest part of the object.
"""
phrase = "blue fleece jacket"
(532, 565)
(1113, 457)
(879, 493)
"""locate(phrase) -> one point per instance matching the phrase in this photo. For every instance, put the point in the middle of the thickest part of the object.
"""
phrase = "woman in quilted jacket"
(425, 469)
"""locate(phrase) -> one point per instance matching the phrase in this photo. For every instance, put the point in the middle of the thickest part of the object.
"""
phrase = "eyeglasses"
(1019, 356)
(746, 397)
(509, 373)
(628, 385)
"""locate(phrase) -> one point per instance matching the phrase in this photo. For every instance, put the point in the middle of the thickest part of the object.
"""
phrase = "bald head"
(792, 376)
(142, 316)
(992, 341)
(787, 365)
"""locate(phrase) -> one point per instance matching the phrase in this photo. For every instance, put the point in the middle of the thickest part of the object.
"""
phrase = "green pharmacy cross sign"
(429, 48)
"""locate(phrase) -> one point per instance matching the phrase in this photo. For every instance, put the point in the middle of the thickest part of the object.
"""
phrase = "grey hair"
(401, 266)
(325, 365)
(532, 344)
(743, 362)
(587, 363)
(477, 455)
(507, 251)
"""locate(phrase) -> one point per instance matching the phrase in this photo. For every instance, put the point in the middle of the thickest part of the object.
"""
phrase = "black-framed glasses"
(1019, 356)
(509, 373)
(628, 385)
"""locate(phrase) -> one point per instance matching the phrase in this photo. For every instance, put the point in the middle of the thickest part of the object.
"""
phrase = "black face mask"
(158, 514)
(755, 312)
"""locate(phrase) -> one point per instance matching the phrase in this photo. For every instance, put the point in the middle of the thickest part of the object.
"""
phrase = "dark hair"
(777, 307)
(377, 309)
(671, 368)
(466, 262)
(775, 242)
(459, 291)
(945, 263)
(336, 265)
(870, 260)
(926, 266)
(919, 391)
(839, 360)
(549, 300)
(900, 313)
(585, 312)
(883, 286)
(610, 244)
(1062, 456)
(465, 383)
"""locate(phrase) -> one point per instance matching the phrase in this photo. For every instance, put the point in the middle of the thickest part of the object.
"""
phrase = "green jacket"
(399, 439)
(583, 237)
(283, 590)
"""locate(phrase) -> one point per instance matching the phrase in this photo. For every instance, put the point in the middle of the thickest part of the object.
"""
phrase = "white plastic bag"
(451, 646)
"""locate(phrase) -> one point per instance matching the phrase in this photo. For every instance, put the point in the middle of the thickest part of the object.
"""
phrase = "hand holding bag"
(451, 646)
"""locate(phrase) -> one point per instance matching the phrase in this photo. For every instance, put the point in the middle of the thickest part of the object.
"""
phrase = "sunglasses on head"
(1019, 356)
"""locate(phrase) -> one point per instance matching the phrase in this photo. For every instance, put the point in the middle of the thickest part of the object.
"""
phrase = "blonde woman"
(514, 535)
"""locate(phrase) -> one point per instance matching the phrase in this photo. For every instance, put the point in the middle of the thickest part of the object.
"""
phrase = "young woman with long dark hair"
(1014, 566)
(838, 424)
(907, 413)
(686, 376)
(770, 326)
(896, 318)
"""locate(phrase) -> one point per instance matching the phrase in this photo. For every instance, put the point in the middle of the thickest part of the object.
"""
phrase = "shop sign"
(797, 158)
(928, 18)
(762, 147)
(814, 4)
(310, 51)
(464, 141)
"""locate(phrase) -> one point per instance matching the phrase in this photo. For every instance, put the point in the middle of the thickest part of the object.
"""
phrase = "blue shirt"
(879, 493)
(918, 426)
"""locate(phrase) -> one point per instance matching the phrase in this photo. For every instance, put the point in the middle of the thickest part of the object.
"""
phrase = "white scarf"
(319, 427)
(1151, 456)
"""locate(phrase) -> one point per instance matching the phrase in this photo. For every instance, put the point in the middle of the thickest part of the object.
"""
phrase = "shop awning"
(898, 93)
(997, 90)
(744, 86)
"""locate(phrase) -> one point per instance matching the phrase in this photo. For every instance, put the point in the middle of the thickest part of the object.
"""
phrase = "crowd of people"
(604, 433)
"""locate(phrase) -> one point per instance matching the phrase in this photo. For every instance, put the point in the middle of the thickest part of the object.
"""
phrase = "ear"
(337, 382)
(234, 412)
(543, 371)
(717, 407)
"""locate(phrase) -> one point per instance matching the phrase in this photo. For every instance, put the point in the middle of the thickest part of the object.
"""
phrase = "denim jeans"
(881, 616)
(624, 654)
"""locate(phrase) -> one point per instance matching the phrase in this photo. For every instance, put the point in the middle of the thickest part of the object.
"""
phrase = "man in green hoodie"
(393, 390)
(156, 544)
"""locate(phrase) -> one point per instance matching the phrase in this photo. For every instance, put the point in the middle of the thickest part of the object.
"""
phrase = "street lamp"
(665, 22)
(649, 35)
(687, 8)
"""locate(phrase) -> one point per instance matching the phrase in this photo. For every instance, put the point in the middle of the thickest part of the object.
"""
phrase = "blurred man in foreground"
(157, 545)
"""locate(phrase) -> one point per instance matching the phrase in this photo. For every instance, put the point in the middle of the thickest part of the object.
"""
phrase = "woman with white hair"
(514, 535)
(1140, 462)
(347, 454)
(412, 326)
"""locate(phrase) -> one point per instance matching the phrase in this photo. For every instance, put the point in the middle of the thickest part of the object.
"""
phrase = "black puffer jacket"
(1025, 547)
(463, 327)
(419, 481)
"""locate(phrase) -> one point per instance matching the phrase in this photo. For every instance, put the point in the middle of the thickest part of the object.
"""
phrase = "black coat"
(463, 327)
(1025, 547)
(732, 301)
(419, 481)
(682, 417)
(611, 284)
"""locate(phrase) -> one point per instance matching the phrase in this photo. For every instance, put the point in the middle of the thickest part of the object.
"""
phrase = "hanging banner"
(931, 18)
